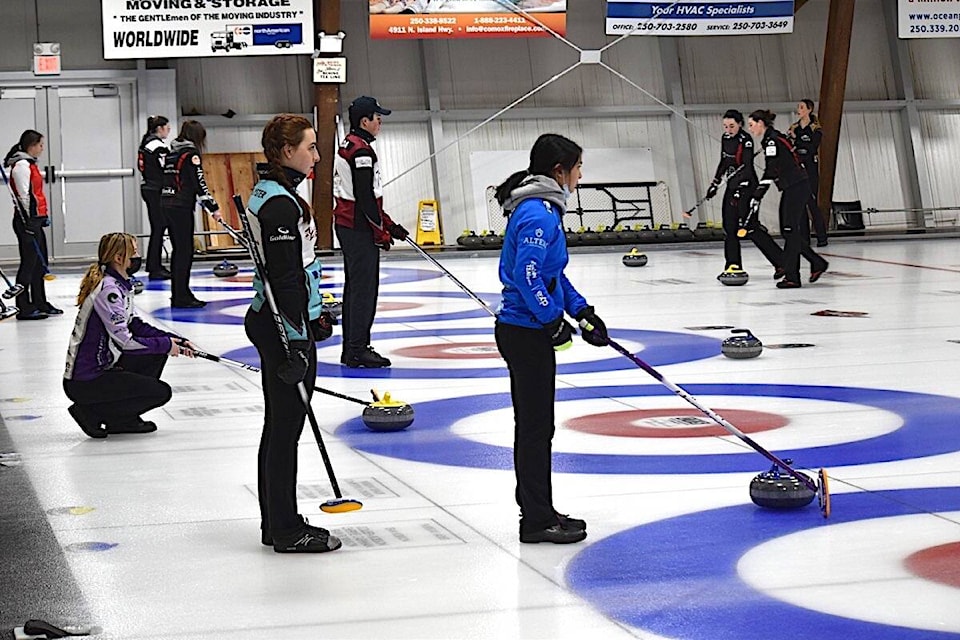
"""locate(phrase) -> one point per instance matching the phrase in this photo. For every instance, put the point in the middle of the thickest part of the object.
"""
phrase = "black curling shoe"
(572, 523)
(87, 420)
(312, 540)
(557, 534)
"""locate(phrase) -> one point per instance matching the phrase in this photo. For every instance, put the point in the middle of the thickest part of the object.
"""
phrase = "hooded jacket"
(535, 290)
(183, 181)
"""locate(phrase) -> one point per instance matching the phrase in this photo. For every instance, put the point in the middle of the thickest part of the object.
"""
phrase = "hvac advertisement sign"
(699, 18)
(420, 19)
(195, 28)
(925, 19)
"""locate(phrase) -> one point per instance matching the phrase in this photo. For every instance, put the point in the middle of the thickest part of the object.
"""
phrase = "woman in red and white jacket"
(30, 216)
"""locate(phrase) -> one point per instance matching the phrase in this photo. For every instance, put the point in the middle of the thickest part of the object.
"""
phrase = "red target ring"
(937, 564)
(451, 351)
(673, 423)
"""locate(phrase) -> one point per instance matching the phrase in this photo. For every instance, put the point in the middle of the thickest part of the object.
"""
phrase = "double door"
(88, 164)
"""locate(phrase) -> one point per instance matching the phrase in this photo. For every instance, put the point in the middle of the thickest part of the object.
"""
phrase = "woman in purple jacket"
(115, 359)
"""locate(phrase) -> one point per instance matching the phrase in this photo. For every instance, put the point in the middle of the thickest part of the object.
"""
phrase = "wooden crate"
(227, 174)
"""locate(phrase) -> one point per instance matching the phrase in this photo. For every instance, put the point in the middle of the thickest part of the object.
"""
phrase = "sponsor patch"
(364, 162)
(196, 160)
(112, 297)
(771, 150)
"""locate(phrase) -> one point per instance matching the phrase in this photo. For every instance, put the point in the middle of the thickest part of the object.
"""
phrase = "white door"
(88, 164)
(20, 109)
(93, 151)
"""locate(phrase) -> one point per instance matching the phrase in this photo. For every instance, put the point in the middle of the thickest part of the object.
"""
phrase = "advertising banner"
(699, 18)
(420, 19)
(194, 28)
(925, 19)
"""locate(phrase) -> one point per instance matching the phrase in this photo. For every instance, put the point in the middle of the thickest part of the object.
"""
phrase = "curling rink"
(156, 536)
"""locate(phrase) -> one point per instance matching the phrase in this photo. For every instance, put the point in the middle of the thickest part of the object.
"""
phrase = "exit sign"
(46, 58)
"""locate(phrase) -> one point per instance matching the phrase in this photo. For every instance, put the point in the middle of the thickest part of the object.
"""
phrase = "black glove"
(712, 190)
(398, 232)
(593, 329)
(295, 367)
(322, 327)
(44, 221)
(208, 203)
(561, 333)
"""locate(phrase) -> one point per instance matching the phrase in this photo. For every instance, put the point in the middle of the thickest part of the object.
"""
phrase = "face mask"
(566, 193)
(135, 264)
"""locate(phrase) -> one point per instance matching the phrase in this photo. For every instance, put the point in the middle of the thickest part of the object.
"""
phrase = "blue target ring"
(215, 311)
(644, 578)
(929, 428)
(389, 275)
(660, 348)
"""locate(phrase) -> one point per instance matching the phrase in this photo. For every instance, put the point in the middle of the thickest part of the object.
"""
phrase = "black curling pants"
(283, 420)
(158, 226)
(795, 228)
(32, 243)
(819, 224)
(361, 267)
(533, 365)
(121, 394)
(736, 208)
(181, 258)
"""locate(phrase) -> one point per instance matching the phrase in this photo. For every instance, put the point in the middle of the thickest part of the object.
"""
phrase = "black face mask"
(135, 264)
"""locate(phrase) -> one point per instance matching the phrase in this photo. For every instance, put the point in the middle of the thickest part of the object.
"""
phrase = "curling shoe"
(367, 358)
(36, 314)
(778, 273)
(571, 523)
(557, 534)
(816, 273)
(788, 284)
(308, 540)
(87, 421)
(140, 426)
(51, 310)
(266, 539)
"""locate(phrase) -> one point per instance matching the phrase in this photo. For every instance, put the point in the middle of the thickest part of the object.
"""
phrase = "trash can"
(848, 217)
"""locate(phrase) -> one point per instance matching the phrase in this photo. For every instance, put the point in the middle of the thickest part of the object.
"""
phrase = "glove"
(295, 367)
(322, 327)
(561, 334)
(398, 232)
(208, 203)
(712, 190)
(45, 221)
(593, 329)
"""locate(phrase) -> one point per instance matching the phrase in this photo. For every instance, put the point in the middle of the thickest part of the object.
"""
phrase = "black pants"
(361, 266)
(158, 226)
(33, 255)
(735, 208)
(795, 227)
(181, 259)
(284, 415)
(533, 365)
(122, 393)
(819, 224)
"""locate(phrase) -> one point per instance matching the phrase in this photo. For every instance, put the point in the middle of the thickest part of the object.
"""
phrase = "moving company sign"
(699, 17)
(193, 28)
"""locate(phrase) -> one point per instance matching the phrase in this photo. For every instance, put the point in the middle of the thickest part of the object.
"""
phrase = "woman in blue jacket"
(531, 325)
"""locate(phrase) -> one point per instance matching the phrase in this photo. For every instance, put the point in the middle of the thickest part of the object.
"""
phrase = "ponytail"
(765, 116)
(508, 185)
(111, 245)
(27, 139)
(550, 150)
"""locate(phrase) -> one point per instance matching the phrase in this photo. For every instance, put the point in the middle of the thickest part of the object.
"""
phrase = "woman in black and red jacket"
(150, 159)
(784, 169)
(30, 216)
(183, 186)
(805, 134)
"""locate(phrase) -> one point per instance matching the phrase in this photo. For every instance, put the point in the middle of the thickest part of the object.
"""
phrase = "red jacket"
(357, 187)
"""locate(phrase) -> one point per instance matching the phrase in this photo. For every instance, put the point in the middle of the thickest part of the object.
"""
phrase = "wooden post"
(326, 18)
(833, 84)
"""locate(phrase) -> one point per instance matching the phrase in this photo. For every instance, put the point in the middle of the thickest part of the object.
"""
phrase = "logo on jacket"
(283, 235)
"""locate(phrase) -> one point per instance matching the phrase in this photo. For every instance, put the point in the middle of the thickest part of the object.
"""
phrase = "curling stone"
(8, 312)
(386, 414)
(666, 234)
(589, 237)
(634, 258)
(683, 233)
(573, 238)
(646, 235)
(627, 235)
(775, 490)
(609, 236)
(702, 232)
(225, 269)
(742, 347)
(331, 305)
(491, 240)
(137, 286)
(734, 276)
(470, 240)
